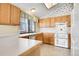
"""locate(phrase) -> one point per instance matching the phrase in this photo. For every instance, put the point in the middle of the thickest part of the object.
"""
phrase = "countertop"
(26, 44)
(28, 34)
(14, 49)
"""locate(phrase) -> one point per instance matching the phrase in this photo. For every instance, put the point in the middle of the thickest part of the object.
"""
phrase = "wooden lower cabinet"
(69, 40)
(48, 38)
(39, 36)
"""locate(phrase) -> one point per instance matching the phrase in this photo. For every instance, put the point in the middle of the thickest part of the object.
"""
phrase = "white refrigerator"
(61, 35)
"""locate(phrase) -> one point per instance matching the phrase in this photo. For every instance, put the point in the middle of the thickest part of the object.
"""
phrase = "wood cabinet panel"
(52, 22)
(4, 13)
(69, 40)
(69, 20)
(44, 22)
(15, 15)
(47, 22)
(57, 19)
(64, 19)
(52, 38)
(48, 38)
(45, 37)
(41, 23)
(39, 36)
(9, 14)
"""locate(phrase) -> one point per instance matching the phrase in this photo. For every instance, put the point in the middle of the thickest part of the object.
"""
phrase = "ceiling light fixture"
(33, 10)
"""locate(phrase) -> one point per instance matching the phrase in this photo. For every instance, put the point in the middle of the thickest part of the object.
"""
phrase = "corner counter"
(28, 34)
(29, 47)
(19, 47)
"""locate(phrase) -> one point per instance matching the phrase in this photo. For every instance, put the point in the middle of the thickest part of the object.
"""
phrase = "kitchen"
(26, 23)
(47, 29)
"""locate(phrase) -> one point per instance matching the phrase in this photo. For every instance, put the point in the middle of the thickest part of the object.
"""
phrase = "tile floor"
(49, 50)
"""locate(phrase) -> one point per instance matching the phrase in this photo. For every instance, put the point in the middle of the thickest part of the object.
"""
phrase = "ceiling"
(41, 9)
(49, 5)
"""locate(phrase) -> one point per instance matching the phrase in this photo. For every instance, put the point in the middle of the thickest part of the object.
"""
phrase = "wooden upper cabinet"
(47, 22)
(58, 19)
(9, 14)
(40, 23)
(63, 19)
(44, 22)
(69, 20)
(4, 13)
(52, 22)
(15, 15)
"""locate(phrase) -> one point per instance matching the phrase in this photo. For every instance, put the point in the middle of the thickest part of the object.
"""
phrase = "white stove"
(61, 35)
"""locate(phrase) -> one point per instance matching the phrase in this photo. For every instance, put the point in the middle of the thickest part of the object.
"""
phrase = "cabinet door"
(44, 23)
(52, 38)
(15, 15)
(39, 37)
(4, 13)
(47, 22)
(69, 40)
(68, 18)
(64, 19)
(46, 38)
(41, 23)
(58, 20)
(52, 23)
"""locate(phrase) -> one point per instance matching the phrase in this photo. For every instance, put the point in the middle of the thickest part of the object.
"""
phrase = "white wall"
(75, 29)
(7, 30)
(8, 39)
(8, 34)
(50, 30)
